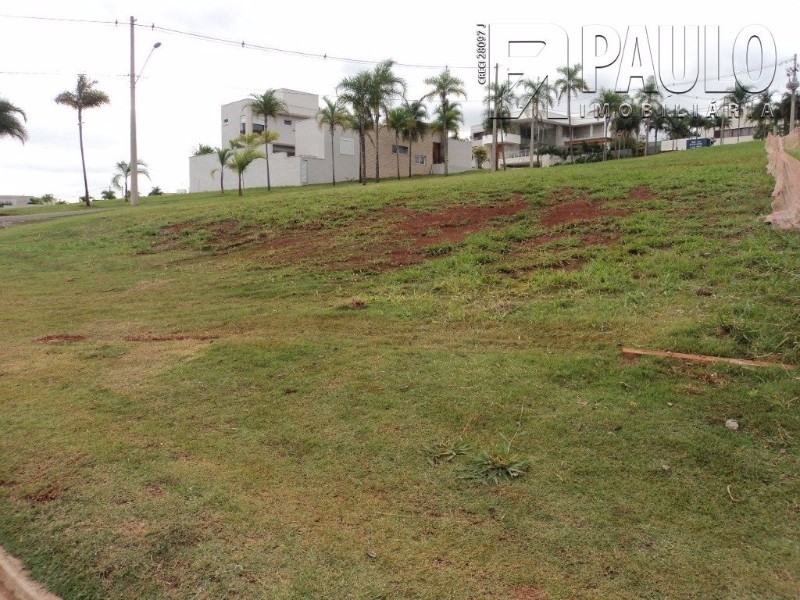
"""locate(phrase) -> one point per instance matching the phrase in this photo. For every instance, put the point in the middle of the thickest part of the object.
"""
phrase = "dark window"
(402, 149)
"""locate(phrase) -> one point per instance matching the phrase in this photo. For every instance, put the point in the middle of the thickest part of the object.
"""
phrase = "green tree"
(445, 85)
(740, 95)
(569, 84)
(10, 124)
(202, 149)
(480, 154)
(267, 105)
(502, 97)
(651, 95)
(243, 157)
(108, 194)
(446, 119)
(764, 112)
(415, 126)
(355, 92)
(396, 120)
(156, 191)
(613, 100)
(223, 155)
(84, 97)
(539, 95)
(123, 172)
(383, 88)
(333, 115)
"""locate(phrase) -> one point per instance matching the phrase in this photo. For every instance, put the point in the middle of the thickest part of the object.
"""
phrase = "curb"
(15, 584)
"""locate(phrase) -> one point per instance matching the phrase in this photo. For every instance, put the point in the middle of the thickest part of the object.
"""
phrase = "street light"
(134, 153)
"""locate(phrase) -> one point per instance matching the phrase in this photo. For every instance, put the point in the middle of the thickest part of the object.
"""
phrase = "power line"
(238, 43)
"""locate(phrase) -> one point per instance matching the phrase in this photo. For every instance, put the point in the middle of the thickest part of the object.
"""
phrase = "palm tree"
(84, 97)
(676, 127)
(502, 97)
(396, 120)
(333, 115)
(415, 126)
(447, 118)
(267, 105)
(739, 96)
(613, 100)
(762, 110)
(123, 172)
(570, 83)
(10, 124)
(444, 84)
(223, 156)
(242, 158)
(539, 94)
(356, 93)
(384, 85)
(651, 95)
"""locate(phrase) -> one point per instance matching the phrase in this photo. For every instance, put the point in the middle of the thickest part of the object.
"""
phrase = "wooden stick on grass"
(700, 358)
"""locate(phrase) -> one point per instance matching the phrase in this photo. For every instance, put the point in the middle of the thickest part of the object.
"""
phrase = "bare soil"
(60, 338)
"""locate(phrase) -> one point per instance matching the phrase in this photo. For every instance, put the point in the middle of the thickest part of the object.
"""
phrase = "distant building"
(13, 201)
(302, 153)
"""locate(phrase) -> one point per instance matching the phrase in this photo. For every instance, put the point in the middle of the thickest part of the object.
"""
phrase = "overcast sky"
(187, 79)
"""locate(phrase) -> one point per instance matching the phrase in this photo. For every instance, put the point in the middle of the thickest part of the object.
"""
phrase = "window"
(402, 149)
(420, 159)
(258, 128)
(224, 121)
(287, 121)
(347, 147)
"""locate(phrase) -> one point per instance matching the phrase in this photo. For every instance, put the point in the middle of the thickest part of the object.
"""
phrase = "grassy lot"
(285, 396)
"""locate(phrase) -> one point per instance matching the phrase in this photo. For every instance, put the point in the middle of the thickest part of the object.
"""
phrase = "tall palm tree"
(651, 95)
(502, 98)
(444, 85)
(614, 100)
(539, 94)
(415, 126)
(384, 86)
(396, 120)
(355, 93)
(123, 173)
(84, 97)
(763, 112)
(223, 156)
(333, 115)
(447, 117)
(242, 158)
(739, 96)
(570, 84)
(10, 124)
(267, 105)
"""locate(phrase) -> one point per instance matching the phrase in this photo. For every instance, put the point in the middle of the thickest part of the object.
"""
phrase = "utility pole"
(134, 153)
(792, 87)
(494, 120)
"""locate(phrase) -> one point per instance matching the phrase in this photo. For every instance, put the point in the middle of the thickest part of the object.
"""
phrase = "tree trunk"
(83, 159)
(241, 182)
(410, 155)
(377, 152)
(362, 155)
(530, 148)
(266, 155)
(569, 118)
(221, 176)
(397, 145)
(333, 160)
(445, 133)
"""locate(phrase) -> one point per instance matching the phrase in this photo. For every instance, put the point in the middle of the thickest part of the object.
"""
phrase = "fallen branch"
(734, 500)
(700, 358)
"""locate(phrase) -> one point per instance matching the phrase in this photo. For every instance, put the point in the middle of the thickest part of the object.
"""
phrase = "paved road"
(7, 221)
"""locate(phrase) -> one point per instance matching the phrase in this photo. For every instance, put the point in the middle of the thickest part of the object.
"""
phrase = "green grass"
(303, 426)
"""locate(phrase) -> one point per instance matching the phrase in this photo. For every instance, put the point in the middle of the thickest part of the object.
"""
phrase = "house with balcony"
(552, 129)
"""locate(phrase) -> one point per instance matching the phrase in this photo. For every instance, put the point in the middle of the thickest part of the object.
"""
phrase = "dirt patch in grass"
(641, 192)
(578, 210)
(391, 238)
(60, 338)
(530, 592)
(599, 239)
(223, 235)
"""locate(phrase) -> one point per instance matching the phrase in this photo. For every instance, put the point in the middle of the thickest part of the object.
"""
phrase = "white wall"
(459, 157)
